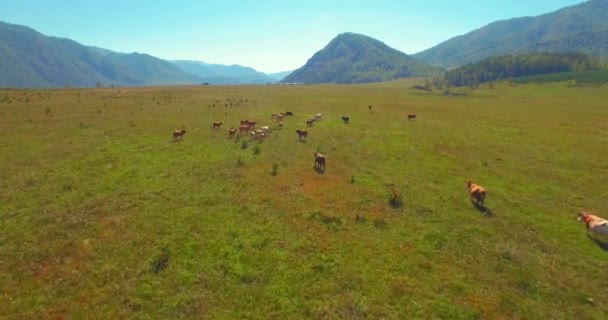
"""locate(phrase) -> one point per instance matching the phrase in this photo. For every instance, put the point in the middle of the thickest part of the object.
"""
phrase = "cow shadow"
(485, 211)
(603, 245)
(302, 141)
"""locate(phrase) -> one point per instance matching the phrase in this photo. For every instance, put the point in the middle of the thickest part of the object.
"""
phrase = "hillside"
(355, 58)
(582, 28)
(511, 66)
(223, 74)
(31, 59)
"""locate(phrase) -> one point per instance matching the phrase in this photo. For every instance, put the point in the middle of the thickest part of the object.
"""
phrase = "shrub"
(395, 200)
(161, 262)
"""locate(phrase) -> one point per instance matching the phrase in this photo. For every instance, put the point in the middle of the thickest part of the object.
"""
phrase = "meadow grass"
(102, 216)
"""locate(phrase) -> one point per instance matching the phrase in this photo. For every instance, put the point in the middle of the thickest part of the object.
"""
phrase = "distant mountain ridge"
(356, 58)
(581, 28)
(30, 59)
(223, 74)
(278, 76)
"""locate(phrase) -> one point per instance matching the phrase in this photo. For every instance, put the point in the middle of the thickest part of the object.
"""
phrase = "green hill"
(355, 58)
(511, 66)
(31, 59)
(582, 28)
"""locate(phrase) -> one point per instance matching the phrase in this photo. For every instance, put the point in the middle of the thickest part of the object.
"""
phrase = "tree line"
(512, 66)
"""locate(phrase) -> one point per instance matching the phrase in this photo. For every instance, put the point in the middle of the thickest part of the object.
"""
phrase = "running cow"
(594, 224)
(178, 134)
(301, 134)
(319, 161)
(231, 132)
(477, 193)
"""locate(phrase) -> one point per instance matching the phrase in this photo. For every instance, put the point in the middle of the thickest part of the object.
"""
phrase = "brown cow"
(309, 122)
(594, 223)
(477, 193)
(217, 125)
(178, 134)
(302, 134)
(411, 117)
(232, 132)
(243, 129)
(319, 161)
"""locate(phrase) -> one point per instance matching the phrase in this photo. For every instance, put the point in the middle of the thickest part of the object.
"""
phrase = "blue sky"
(268, 35)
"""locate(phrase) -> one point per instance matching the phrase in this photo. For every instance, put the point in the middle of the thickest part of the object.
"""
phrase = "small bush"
(161, 262)
(244, 145)
(275, 169)
(395, 200)
(256, 150)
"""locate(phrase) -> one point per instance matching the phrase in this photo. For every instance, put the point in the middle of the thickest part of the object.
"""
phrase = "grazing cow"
(281, 124)
(309, 122)
(232, 132)
(411, 117)
(289, 113)
(273, 115)
(345, 119)
(477, 193)
(319, 161)
(178, 134)
(265, 129)
(243, 129)
(252, 124)
(244, 122)
(217, 125)
(318, 117)
(594, 224)
(302, 134)
(279, 117)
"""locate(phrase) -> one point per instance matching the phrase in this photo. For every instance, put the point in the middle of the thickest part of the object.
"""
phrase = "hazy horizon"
(269, 36)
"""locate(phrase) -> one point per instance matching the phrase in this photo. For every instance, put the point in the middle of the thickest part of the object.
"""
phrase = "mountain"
(31, 59)
(356, 58)
(278, 76)
(582, 28)
(223, 74)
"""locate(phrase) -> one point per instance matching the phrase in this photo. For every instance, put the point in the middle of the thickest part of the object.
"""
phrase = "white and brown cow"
(594, 223)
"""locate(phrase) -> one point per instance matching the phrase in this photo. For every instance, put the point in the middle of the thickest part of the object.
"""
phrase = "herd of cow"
(477, 193)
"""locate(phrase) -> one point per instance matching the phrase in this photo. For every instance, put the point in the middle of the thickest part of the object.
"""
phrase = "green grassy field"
(103, 217)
